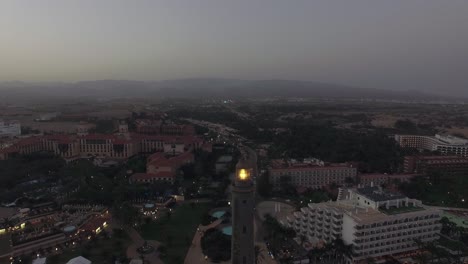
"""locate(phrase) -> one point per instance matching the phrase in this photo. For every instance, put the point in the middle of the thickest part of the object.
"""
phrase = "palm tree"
(341, 249)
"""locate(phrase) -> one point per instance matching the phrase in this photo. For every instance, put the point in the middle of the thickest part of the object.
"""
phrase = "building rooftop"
(400, 210)
(377, 195)
(452, 140)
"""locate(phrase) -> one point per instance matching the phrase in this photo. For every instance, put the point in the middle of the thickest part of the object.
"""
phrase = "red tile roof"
(162, 159)
(64, 139)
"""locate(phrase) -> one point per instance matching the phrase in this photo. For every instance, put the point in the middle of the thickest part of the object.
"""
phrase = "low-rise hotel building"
(119, 146)
(376, 223)
(311, 173)
(449, 165)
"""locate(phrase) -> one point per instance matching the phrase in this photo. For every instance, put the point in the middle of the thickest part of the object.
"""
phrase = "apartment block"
(449, 165)
(310, 173)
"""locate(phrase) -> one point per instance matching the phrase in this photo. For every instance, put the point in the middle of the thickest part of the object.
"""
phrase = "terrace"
(400, 210)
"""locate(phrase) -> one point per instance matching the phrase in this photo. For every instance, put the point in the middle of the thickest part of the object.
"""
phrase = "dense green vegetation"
(176, 231)
(376, 152)
(447, 191)
(26, 168)
(305, 133)
(216, 245)
(104, 126)
(137, 164)
(406, 126)
(28, 174)
(275, 233)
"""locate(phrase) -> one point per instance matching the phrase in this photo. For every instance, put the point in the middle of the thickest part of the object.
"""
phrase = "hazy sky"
(390, 44)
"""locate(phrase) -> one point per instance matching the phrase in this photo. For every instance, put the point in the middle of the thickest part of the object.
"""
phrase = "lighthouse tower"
(242, 247)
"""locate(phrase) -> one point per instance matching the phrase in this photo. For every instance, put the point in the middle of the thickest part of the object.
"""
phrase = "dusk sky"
(395, 44)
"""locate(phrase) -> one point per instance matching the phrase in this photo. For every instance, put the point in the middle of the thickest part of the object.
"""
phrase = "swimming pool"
(218, 214)
(69, 229)
(227, 230)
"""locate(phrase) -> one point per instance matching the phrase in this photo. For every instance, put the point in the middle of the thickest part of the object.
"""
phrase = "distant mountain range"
(202, 88)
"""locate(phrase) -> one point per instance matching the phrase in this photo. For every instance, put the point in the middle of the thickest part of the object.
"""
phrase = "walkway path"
(195, 254)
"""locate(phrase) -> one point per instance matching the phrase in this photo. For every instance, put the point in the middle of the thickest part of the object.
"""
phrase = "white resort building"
(374, 222)
(445, 144)
(10, 128)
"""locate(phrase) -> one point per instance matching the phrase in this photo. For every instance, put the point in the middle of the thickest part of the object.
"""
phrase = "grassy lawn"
(459, 221)
(449, 191)
(100, 250)
(177, 231)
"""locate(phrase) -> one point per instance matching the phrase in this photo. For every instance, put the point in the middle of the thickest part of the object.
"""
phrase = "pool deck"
(222, 227)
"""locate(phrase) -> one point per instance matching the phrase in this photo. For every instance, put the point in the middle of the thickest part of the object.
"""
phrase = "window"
(244, 260)
(244, 229)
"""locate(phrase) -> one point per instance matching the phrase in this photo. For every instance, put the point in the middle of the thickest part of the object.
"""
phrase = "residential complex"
(444, 144)
(10, 128)
(310, 173)
(449, 165)
(121, 145)
(375, 222)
